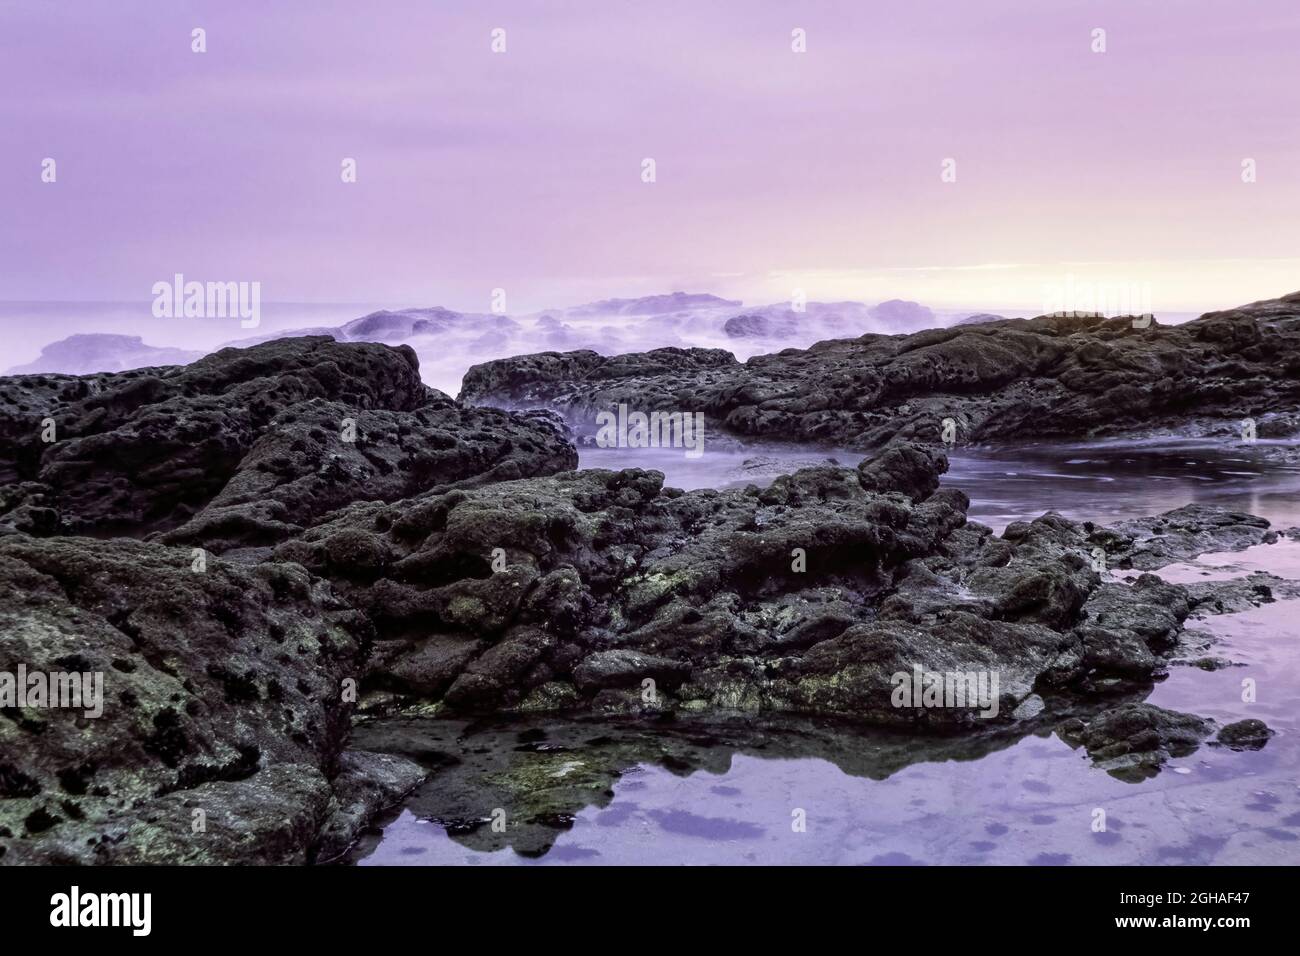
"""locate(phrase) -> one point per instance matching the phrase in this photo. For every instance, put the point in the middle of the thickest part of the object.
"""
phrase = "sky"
(774, 170)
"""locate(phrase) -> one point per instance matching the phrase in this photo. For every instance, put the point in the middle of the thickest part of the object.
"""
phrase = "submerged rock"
(536, 774)
(1250, 734)
(1133, 741)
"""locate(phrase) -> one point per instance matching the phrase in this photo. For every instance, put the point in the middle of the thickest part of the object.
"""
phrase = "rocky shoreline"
(1009, 380)
(263, 547)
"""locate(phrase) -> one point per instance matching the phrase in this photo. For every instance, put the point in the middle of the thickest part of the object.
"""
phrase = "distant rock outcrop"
(1068, 376)
(656, 304)
(101, 352)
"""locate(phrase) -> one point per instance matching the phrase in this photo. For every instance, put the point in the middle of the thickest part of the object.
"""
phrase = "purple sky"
(776, 170)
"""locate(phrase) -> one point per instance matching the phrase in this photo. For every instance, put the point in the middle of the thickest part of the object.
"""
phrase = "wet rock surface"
(1010, 380)
(606, 592)
(366, 784)
(1133, 741)
(443, 561)
(521, 783)
(539, 774)
(1180, 535)
(1250, 734)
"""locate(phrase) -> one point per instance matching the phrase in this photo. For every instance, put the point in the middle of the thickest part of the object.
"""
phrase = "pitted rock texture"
(246, 446)
(1075, 376)
(215, 681)
(604, 591)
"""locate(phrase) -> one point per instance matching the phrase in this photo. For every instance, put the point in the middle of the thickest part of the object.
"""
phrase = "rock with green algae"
(532, 776)
(605, 591)
(224, 709)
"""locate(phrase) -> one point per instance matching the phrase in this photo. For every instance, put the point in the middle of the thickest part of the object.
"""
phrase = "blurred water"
(1100, 481)
(30, 326)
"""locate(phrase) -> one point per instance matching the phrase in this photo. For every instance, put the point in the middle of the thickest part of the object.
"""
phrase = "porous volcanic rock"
(223, 692)
(571, 592)
(308, 515)
(249, 443)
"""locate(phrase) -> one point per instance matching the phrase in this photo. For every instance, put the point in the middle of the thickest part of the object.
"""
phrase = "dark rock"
(809, 596)
(1180, 535)
(246, 446)
(448, 560)
(211, 680)
(1249, 734)
(301, 469)
(1075, 376)
(599, 561)
(367, 783)
(623, 668)
(912, 469)
(1133, 741)
(1240, 594)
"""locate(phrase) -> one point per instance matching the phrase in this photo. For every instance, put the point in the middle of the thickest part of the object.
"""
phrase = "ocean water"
(30, 326)
(734, 792)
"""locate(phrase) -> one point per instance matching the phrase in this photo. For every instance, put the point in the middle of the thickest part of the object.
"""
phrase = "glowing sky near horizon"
(775, 170)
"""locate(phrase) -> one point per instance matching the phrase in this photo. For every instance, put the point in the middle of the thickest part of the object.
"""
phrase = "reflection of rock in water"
(542, 772)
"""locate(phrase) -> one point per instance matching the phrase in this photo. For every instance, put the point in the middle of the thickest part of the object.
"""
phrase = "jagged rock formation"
(809, 596)
(245, 446)
(311, 518)
(1007, 380)
(223, 683)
